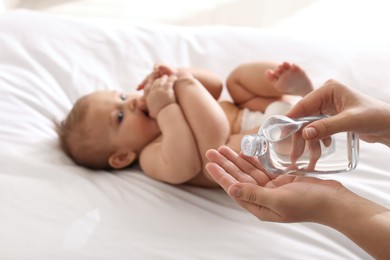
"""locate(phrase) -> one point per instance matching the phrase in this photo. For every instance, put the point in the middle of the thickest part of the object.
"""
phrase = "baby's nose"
(141, 103)
(131, 104)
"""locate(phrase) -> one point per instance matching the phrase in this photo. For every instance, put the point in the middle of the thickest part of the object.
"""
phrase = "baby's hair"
(78, 141)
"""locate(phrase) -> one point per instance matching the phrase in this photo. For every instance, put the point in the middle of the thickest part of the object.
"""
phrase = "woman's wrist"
(338, 208)
(364, 222)
(347, 211)
(386, 139)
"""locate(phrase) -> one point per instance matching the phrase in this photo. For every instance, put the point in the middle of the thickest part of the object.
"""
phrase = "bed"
(51, 208)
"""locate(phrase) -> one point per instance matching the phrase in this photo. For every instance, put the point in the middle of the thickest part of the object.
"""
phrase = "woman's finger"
(247, 165)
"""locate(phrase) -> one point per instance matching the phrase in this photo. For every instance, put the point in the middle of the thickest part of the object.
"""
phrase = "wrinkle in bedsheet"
(78, 232)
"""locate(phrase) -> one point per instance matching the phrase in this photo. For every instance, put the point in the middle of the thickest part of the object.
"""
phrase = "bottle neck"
(254, 145)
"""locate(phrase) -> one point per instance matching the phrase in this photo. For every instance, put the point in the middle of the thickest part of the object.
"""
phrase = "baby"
(169, 127)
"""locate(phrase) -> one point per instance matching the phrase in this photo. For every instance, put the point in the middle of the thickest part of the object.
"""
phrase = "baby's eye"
(120, 117)
(123, 96)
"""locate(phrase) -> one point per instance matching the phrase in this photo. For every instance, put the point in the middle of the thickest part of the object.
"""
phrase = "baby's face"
(120, 120)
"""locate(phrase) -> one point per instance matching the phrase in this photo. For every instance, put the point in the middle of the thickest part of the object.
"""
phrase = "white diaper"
(254, 119)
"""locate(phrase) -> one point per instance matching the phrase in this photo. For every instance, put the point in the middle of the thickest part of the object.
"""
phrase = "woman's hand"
(289, 198)
(350, 110)
(277, 198)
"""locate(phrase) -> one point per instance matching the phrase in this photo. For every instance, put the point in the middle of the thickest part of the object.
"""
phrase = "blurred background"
(352, 20)
(256, 13)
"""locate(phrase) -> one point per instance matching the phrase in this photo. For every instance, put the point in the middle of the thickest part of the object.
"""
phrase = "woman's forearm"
(363, 221)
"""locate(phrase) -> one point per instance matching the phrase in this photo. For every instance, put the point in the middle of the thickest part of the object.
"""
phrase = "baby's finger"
(157, 83)
(141, 85)
(165, 70)
(150, 78)
(170, 81)
(145, 82)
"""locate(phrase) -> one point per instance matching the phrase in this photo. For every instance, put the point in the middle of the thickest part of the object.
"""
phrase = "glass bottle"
(281, 149)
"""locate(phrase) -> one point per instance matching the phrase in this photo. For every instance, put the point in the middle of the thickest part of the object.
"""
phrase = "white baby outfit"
(254, 119)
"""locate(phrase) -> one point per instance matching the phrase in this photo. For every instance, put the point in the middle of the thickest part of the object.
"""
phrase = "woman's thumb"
(325, 127)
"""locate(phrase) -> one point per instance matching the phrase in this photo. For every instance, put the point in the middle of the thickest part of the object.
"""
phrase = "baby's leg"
(249, 86)
(204, 115)
(256, 85)
(290, 79)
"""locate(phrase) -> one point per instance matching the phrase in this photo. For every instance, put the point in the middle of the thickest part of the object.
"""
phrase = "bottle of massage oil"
(281, 149)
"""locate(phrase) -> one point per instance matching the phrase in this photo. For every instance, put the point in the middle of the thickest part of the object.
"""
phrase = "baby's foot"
(165, 70)
(158, 71)
(162, 69)
(290, 79)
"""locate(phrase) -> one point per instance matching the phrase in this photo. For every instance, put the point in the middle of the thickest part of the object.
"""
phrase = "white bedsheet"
(52, 209)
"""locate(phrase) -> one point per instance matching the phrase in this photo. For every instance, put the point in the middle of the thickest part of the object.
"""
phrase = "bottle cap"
(248, 145)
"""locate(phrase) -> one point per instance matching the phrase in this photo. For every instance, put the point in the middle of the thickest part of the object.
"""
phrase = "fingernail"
(235, 192)
(311, 132)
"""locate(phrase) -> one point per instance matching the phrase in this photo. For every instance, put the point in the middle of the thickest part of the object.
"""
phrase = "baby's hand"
(158, 71)
(160, 94)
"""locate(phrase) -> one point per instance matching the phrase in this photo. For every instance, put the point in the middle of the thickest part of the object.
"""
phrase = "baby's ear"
(120, 160)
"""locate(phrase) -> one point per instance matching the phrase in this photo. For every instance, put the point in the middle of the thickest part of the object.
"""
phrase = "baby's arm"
(174, 159)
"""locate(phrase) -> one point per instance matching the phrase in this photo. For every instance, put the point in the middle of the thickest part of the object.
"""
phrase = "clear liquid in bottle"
(281, 149)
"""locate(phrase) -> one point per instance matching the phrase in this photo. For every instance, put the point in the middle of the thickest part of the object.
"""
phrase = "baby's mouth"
(141, 104)
(144, 111)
